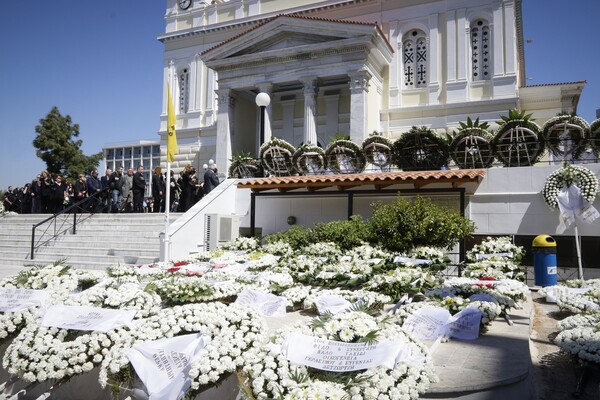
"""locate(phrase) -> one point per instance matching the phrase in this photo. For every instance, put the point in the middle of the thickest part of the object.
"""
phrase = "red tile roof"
(419, 179)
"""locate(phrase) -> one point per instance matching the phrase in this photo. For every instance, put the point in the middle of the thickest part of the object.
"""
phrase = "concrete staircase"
(101, 240)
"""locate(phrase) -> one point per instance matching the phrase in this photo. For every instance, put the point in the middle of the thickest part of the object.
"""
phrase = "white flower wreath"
(233, 330)
(269, 374)
(585, 180)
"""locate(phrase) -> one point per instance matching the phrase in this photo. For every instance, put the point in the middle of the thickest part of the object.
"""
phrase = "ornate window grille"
(481, 50)
(414, 56)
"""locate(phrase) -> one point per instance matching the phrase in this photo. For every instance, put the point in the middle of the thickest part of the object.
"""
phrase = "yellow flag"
(172, 148)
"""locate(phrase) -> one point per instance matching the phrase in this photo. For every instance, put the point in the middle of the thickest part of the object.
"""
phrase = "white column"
(451, 46)
(395, 66)
(210, 97)
(310, 111)
(267, 88)
(359, 84)
(287, 121)
(224, 129)
(434, 61)
(498, 49)
(332, 103)
(463, 45)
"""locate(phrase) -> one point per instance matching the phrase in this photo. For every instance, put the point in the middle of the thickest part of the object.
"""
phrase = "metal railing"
(61, 222)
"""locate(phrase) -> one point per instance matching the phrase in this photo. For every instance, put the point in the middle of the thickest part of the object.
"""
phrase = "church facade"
(342, 67)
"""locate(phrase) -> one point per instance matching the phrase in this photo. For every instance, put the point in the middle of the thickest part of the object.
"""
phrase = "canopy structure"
(459, 181)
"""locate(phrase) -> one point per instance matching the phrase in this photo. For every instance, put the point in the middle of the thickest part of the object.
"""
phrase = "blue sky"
(100, 63)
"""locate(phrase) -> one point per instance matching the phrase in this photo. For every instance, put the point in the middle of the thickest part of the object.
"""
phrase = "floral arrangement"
(594, 138)
(178, 290)
(368, 253)
(243, 165)
(559, 129)
(366, 298)
(40, 353)
(233, 330)
(496, 246)
(278, 248)
(585, 180)
(507, 293)
(276, 157)
(267, 373)
(11, 323)
(378, 150)
(345, 157)
(242, 243)
(579, 336)
(309, 160)
(115, 294)
(577, 303)
(322, 249)
(421, 149)
(497, 268)
(439, 259)
(400, 281)
(259, 261)
(272, 282)
(296, 295)
(454, 304)
(518, 142)
(472, 145)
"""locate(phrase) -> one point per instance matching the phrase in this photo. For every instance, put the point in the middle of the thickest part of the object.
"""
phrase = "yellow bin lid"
(544, 241)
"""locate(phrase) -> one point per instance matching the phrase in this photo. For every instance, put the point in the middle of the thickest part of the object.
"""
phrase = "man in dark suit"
(211, 180)
(139, 189)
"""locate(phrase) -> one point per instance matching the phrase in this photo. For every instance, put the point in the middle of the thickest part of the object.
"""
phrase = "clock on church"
(184, 4)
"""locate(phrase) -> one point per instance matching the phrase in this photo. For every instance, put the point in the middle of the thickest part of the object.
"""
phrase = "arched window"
(414, 55)
(184, 90)
(481, 46)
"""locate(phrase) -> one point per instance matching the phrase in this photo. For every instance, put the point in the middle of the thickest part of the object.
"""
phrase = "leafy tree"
(57, 145)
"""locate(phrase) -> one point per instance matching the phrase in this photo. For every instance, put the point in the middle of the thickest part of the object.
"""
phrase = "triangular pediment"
(286, 40)
(285, 35)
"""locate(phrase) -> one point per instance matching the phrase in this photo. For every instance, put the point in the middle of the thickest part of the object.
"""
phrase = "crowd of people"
(115, 192)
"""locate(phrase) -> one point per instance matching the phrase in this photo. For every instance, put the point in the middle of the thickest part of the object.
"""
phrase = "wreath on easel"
(309, 160)
(276, 157)
(566, 176)
(345, 157)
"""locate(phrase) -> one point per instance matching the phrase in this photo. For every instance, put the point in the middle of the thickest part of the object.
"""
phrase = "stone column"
(224, 129)
(310, 111)
(267, 88)
(210, 97)
(359, 87)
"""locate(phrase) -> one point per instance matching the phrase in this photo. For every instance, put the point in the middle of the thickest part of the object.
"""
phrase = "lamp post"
(262, 100)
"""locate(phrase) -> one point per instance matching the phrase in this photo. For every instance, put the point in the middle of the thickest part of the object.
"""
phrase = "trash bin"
(544, 261)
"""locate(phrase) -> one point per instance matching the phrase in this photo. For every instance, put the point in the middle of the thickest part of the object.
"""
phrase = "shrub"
(346, 234)
(404, 224)
(297, 237)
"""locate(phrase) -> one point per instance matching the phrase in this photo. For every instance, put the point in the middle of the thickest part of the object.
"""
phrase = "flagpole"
(167, 241)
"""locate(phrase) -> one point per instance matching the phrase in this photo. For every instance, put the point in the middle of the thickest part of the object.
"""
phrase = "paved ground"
(557, 376)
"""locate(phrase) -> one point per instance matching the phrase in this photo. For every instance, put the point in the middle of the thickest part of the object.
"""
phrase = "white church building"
(350, 67)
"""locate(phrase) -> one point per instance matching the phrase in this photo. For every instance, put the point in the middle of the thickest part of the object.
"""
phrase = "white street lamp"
(262, 100)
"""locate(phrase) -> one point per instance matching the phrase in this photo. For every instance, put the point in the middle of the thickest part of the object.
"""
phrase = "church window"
(480, 50)
(414, 56)
(184, 90)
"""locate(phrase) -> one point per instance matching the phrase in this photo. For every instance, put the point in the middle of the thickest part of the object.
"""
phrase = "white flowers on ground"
(497, 247)
(269, 374)
(233, 331)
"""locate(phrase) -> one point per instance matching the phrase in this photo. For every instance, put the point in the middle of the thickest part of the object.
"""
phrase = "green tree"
(57, 145)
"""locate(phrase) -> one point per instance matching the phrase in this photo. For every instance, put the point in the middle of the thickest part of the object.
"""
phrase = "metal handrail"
(78, 210)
